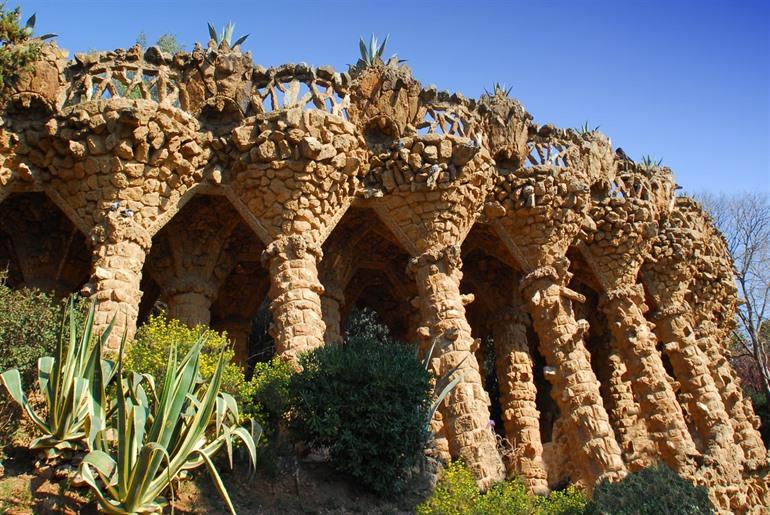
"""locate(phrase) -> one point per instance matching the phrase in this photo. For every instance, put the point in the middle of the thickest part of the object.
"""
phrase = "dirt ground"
(283, 485)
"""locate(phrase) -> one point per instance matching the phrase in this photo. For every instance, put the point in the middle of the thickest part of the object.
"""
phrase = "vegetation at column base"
(368, 403)
(73, 383)
(30, 321)
(266, 396)
(650, 491)
(457, 494)
(148, 352)
(158, 434)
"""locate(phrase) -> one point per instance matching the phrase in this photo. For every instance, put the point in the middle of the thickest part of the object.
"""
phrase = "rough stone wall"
(215, 182)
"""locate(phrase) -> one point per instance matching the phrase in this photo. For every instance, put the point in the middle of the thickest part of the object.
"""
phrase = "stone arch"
(40, 246)
(193, 257)
(362, 252)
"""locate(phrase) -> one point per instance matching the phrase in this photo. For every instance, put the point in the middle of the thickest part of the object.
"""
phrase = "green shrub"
(266, 395)
(149, 351)
(368, 402)
(650, 491)
(457, 494)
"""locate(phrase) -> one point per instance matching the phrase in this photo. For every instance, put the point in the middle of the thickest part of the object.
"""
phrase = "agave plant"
(649, 162)
(226, 35)
(586, 129)
(499, 90)
(444, 385)
(157, 437)
(373, 52)
(73, 384)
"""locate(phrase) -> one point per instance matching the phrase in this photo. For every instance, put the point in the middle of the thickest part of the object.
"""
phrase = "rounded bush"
(368, 403)
(650, 491)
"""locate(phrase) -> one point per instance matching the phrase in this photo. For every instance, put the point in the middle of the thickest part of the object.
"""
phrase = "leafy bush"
(17, 50)
(457, 494)
(29, 326)
(650, 491)
(368, 402)
(149, 352)
(266, 395)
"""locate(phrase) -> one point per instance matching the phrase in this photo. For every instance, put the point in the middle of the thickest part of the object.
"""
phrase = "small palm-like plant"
(586, 129)
(649, 162)
(159, 436)
(73, 384)
(226, 35)
(372, 53)
(499, 90)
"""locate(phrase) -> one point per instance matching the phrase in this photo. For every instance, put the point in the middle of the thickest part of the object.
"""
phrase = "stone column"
(624, 415)
(745, 423)
(465, 412)
(633, 337)
(238, 330)
(518, 394)
(674, 328)
(189, 300)
(295, 296)
(574, 385)
(332, 302)
(119, 250)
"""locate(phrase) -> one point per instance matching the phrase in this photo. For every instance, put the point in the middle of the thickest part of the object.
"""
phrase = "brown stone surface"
(213, 183)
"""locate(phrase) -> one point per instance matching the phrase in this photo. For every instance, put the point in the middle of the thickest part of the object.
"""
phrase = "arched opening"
(204, 268)
(508, 354)
(364, 266)
(40, 247)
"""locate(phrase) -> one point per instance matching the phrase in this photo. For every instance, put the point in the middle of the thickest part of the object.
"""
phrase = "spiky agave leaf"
(213, 32)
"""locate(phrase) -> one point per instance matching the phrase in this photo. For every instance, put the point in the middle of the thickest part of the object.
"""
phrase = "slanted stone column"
(624, 415)
(673, 327)
(119, 250)
(189, 300)
(518, 394)
(238, 330)
(575, 388)
(465, 412)
(295, 295)
(632, 335)
(740, 410)
(332, 302)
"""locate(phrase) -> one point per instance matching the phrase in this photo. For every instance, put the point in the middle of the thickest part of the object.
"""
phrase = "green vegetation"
(18, 50)
(499, 90)
(148, 353)
(226, 35)
(161, 434)
(650, 491)
(73, 383)
(266, 396)
(367, 402)
(649, 162)
(168, 43)
(586, 129)
(372, 53)
(457, 494)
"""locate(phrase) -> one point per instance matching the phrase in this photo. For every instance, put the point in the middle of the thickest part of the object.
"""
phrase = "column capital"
(293, 246)
(450, 256)
(675, 309)
(510, 315)
(192, 284)
(117, 227)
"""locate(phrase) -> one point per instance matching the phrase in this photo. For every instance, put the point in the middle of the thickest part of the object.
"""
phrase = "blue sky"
(687, 82)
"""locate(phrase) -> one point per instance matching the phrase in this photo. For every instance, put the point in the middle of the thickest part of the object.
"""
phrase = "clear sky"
(687, 82)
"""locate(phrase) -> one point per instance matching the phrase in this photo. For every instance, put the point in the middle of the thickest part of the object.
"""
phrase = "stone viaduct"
(586, 304)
